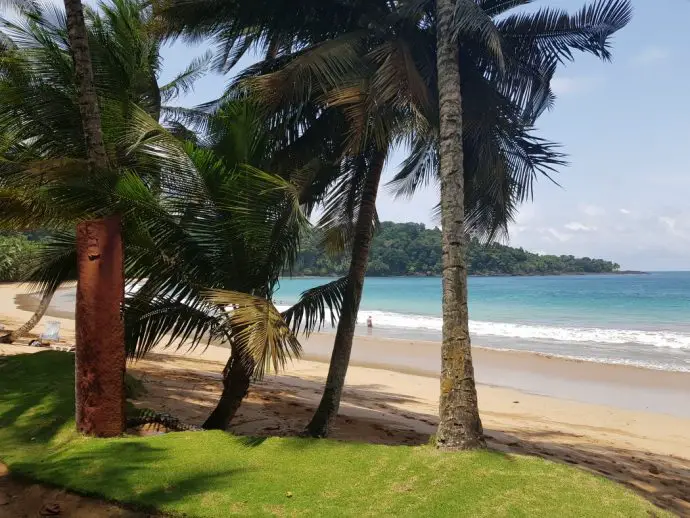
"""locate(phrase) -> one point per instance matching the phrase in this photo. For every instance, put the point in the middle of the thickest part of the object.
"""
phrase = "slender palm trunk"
(100, 352)
(35, 318)
(342, 347)
(460, 426)
(88, 100)
(236, 379)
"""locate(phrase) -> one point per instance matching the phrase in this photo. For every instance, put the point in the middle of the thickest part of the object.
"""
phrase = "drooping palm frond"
(471, 22)
(21, 6)
(22, 210)
(418, 169)
(238, 27)
(317, 69)
(256, 323)
(55, 263)
(316, 306)
(170, 321)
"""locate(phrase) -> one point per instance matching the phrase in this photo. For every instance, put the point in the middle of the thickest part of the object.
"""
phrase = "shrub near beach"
(17, 254)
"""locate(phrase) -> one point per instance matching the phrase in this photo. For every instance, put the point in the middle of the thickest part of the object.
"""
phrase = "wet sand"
(621, 386)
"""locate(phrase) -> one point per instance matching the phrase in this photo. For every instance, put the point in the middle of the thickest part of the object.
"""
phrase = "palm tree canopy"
(357, 55)
(194, 219)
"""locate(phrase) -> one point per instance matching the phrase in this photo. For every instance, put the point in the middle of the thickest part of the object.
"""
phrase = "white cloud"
(593, 210)
(637, 239)
(669, 222)
(560, 236)
(672, 226)
(651, 55)
(577, 226)
(573, 85)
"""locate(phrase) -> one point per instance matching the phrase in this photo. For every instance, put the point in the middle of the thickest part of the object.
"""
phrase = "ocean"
(640, 320)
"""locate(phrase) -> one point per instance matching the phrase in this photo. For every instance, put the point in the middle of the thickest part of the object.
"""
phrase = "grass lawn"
(213, 474)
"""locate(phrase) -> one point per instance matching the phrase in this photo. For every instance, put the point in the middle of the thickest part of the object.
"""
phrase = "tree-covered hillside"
(413, 249)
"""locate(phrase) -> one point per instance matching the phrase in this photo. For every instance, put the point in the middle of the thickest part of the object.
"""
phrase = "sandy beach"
(629, 424)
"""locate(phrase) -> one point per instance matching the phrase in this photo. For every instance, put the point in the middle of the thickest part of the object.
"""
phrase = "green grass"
(213, 474)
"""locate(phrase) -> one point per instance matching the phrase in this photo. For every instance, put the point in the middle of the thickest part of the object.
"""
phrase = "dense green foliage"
(17, 253)
(211, 474)
(412, 249)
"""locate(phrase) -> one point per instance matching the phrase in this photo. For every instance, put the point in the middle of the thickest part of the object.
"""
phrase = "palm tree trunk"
(35, 318)
(460, 426)
(88, 100)
(236, 379)
(100, 351)
(342, 347)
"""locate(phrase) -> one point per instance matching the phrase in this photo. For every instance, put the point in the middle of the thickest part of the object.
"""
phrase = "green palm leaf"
(259, 329)
(316, 306)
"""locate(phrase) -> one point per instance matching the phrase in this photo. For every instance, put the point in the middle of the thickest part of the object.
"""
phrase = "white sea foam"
(531, 331)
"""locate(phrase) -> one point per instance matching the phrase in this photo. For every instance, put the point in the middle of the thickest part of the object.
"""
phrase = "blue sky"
(624, 125)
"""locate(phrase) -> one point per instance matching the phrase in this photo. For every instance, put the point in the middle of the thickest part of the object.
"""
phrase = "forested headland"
(400, 249)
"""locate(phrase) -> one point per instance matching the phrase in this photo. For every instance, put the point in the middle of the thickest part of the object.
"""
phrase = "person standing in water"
(370, 324)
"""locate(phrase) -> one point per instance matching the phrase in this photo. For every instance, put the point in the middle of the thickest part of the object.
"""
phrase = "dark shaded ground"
(20, 498)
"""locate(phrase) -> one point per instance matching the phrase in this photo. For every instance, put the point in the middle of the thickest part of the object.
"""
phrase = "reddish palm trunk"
(100, 362)
(100, 353)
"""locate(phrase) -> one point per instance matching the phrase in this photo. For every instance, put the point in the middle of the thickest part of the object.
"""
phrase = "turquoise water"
(641, 320)
(629, 319)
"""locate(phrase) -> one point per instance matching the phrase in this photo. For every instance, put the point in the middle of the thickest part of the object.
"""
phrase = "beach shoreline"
(28, 302)
(628, 387)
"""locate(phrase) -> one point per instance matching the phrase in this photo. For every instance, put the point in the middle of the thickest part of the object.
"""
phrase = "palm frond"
(171, 320)
(258, 330)
(418, 170)
(54, 264)
(183, 83)
(316, 69)
(555, 33)
(472, 22)
(316, 306)
(20, 6)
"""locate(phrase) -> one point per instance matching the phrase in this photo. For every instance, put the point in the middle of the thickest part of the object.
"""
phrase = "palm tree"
(232, 237)
(459, 423)
(361, 131)
(100, 352)
(45, 123)
(507, 70)
(26, 328)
